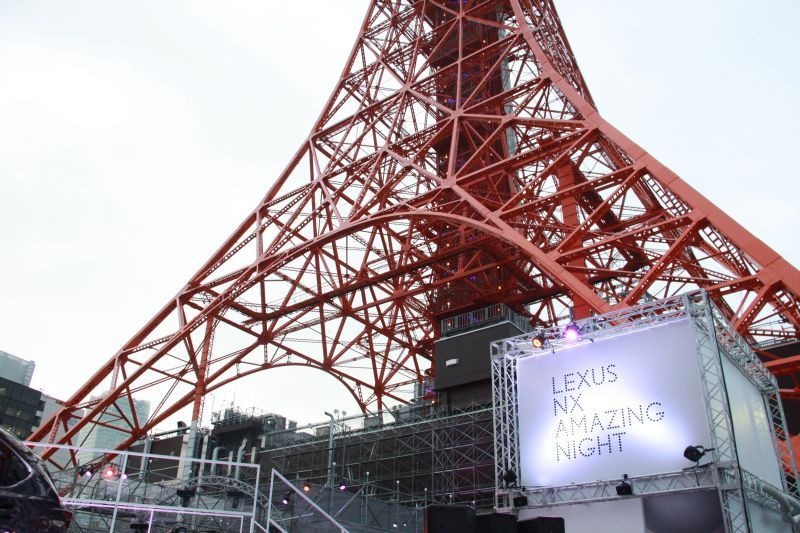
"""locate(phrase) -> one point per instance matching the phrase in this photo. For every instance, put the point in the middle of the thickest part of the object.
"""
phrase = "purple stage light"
(572, 332)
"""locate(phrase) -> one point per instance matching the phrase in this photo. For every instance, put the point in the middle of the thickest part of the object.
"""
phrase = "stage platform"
(653, 418)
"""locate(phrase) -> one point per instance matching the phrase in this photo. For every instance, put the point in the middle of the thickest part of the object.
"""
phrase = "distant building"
(98, 436)
(51, 406)
(21, 408)
(16, 369)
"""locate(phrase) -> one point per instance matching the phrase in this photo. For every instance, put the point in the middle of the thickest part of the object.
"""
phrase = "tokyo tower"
(459, 162)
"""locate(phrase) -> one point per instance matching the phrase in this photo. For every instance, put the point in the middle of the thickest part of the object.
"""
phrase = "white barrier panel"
(628, 404)
(754, 447)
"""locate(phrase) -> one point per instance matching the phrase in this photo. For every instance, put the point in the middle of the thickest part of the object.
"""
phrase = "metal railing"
(483, 316)
(303, 506)
(116, 490)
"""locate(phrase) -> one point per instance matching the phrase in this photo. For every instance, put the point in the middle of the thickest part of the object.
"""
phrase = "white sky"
(135, 136)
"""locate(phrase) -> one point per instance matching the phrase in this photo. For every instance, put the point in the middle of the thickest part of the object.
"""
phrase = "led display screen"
(628, 404)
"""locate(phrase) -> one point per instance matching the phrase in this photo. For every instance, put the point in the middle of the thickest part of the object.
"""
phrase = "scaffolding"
(426, 455)
(412, 455)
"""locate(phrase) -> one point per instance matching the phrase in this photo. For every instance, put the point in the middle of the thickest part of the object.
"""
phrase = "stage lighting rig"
(695, 453)
(185, 495)
(510, 478)
(539, 341)
(624, 488)
(572, 332)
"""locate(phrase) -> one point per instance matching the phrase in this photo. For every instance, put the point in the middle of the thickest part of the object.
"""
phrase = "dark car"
(28, 499)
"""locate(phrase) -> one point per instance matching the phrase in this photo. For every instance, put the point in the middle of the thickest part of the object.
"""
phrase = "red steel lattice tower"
(460, 161)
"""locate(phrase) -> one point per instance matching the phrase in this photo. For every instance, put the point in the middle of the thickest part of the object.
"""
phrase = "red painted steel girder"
(460, 161)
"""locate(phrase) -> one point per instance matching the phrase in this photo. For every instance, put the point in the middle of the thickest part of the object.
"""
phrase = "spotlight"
(624, 488)
(538, 341)
(342, 487)
(110, 471)
(572, 332)
(85, 471)
(510, 478)
(285, 500)
(306, 487)
(185, 495)
(695, 453)
(520, 501)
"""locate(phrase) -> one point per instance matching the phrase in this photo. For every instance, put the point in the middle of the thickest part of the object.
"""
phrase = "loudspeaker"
(520, 501)
(495, 523)
(541, 524)
(449, 519)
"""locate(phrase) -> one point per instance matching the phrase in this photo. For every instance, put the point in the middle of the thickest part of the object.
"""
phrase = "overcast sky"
(135, 136)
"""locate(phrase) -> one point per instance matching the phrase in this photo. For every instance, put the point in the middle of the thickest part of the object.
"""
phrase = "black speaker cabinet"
(496, 523)
(449, 519)
(541, 524)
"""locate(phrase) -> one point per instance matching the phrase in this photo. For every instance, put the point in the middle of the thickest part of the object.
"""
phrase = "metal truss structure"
(276, 518)
(133, 491)
(303, 506)
(460, 161)
(429, 456)
(714, 338)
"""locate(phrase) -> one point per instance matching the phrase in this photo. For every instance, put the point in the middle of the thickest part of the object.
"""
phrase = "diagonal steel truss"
(459, 161)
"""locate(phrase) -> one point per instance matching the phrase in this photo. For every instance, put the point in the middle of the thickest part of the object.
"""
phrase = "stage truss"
(714, 338)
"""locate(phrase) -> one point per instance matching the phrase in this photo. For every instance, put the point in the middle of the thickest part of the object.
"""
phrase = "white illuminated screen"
(628, 404)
